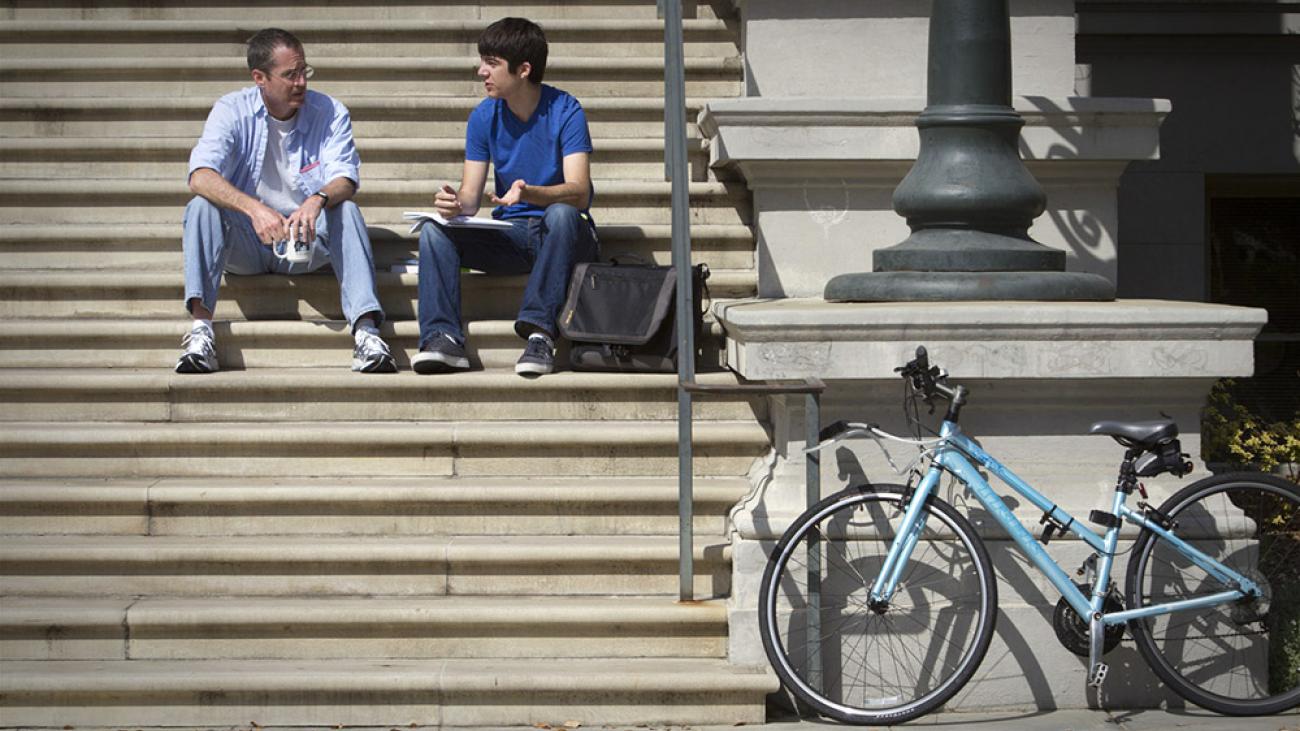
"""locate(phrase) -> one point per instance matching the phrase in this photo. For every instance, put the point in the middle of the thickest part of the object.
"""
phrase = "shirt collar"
(260, 110)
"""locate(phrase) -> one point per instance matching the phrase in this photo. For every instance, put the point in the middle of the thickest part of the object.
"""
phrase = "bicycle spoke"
(1222, 657)
(914, 652)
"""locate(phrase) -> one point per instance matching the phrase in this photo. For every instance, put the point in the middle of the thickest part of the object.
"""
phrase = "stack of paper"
(422, 217)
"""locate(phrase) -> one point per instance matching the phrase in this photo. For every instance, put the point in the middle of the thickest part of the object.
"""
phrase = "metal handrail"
(675, 170)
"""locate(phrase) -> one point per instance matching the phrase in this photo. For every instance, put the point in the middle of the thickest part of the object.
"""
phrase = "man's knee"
(348, 209)
(346, 215)
(433, 238)
(561, 214)
(199, 207)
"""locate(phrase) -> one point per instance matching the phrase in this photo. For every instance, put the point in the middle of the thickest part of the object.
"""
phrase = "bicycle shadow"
(1130, 680)
(1018, 659)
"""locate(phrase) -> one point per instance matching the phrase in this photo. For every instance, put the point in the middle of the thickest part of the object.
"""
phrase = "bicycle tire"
(876, 667)
(1237, 658)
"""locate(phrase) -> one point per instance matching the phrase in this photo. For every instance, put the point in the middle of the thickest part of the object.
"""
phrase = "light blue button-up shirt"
(319, 146)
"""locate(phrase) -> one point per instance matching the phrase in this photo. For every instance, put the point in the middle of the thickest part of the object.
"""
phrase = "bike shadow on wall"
(1020, 658)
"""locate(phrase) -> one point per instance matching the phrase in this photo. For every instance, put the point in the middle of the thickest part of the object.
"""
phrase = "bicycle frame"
(955, 454)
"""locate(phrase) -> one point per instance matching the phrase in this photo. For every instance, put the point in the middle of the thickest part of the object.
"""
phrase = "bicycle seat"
(1145, 434)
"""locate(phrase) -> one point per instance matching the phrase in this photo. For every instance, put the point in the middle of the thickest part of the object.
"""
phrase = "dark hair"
(261, 47)
(516, 40)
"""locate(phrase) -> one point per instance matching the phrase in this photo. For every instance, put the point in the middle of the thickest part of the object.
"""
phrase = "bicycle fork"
(900, 551)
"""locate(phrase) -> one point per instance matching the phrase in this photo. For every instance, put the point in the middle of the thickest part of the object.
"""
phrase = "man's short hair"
(261, 47)
(516, 40)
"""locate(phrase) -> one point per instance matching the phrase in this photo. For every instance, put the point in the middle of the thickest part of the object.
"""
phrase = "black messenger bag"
(621, 316)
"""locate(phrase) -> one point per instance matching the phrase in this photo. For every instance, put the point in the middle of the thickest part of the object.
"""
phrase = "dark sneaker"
(538, 359)
(200, 354)
(371, 354)
(440, 355)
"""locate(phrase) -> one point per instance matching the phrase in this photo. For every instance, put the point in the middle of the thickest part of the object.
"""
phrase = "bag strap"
(624, 259)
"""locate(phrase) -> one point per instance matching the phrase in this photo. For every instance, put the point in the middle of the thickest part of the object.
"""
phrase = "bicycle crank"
(1075, 633)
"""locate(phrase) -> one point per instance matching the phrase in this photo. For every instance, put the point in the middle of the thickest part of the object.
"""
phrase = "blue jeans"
(216, 240)
(546, 248)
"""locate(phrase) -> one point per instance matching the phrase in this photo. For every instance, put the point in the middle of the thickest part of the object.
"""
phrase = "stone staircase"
(289, 543)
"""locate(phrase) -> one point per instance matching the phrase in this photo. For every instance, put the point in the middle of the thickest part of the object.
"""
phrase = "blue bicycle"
(879, 602)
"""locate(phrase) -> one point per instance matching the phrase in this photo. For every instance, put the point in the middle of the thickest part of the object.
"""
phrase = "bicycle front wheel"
(1239, 658)
(881, 664)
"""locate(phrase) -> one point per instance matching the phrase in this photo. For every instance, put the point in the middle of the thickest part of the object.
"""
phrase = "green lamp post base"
(959, 286)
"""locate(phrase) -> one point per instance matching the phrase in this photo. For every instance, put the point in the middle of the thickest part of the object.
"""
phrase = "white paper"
(422, 217)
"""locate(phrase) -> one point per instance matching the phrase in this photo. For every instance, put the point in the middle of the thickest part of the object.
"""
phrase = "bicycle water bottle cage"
(1051, 527)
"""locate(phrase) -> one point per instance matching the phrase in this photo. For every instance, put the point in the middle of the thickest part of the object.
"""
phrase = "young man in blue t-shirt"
(537, 140)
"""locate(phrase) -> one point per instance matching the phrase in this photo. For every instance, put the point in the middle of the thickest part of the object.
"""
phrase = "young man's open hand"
(514, 195)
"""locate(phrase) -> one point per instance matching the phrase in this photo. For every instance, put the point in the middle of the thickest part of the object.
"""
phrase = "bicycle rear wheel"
(876, 665)
(1240, 658)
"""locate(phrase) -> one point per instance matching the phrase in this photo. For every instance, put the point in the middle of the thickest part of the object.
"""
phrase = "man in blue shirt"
(537, 140)
(273, 176)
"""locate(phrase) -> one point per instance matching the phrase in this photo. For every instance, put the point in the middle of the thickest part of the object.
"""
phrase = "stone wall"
(823, 137)
(1233, 75)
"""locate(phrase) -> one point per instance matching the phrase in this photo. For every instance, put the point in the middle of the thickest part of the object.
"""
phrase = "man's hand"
(269, 224)
(514, 195)
(302, 222)
(446, 202)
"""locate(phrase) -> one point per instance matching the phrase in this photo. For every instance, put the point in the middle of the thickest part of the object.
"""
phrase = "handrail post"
(676, 171)
(812, 494)
(813, 460)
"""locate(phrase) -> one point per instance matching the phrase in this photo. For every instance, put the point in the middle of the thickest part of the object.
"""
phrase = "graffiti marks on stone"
(988, 360)
(796, 358)
(1183, 360)
(826, 215)
(1080, 359)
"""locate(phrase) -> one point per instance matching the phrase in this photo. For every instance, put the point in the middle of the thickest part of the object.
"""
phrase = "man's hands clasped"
(271, 227)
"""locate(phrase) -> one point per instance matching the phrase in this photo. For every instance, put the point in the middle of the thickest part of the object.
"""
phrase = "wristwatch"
(323, 196)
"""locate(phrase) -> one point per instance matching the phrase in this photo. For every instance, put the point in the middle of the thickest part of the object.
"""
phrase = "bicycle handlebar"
(925, 378)
(931, 381)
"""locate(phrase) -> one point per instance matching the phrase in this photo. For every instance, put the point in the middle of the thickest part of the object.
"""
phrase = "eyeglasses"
(306, 72)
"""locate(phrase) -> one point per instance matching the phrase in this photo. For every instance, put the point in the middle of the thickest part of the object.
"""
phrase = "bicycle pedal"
(1097, 675)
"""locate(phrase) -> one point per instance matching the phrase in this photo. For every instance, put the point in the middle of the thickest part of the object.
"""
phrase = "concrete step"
(321, 396)
(157, 246)
(337, 449)
(88, 201)
(411, 506)
(345, 76)
(353, 37)
(384, 158)
(31, 293)
(141, 343)
(403, 115)
(237, 627)
(253, 14)
(320, 566)
(387, 693)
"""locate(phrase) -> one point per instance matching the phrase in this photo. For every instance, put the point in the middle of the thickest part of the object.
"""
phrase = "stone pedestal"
(1039, 374)
(823, 173)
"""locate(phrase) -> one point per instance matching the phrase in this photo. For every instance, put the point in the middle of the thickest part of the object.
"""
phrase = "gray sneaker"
(440, 355)
(538, 359)
(200, 354)
(371, 354)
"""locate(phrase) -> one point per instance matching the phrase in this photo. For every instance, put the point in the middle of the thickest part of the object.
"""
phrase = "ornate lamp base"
(957, 286)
